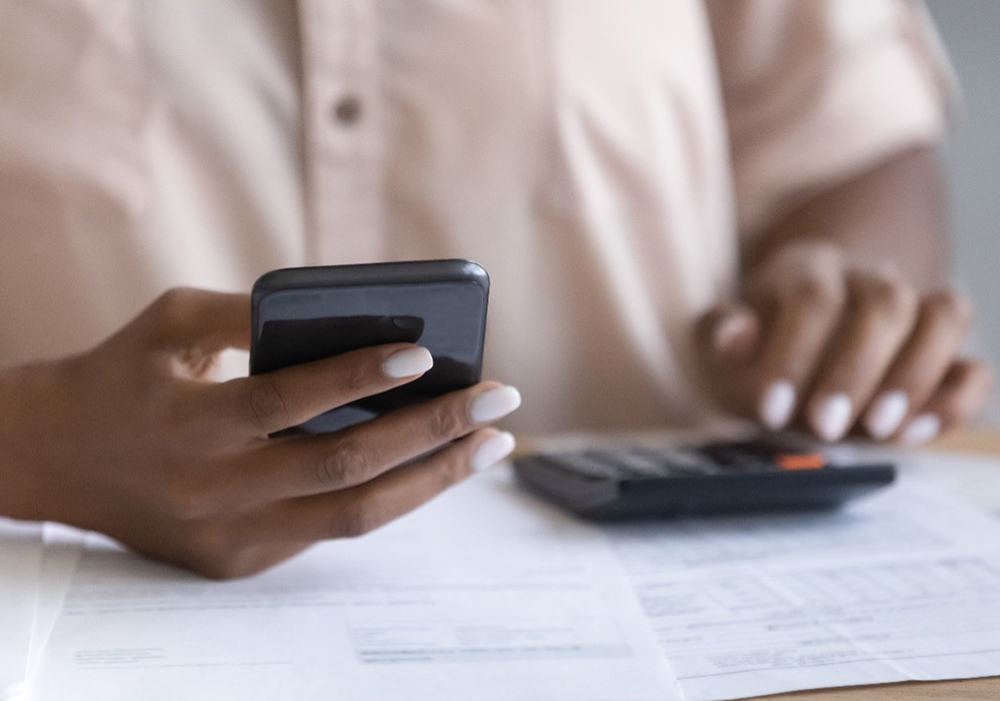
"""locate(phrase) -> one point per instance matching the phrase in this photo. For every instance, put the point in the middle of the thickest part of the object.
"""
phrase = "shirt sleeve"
(817, 91)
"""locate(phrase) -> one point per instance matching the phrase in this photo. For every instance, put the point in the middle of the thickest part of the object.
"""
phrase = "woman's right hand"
(133, 439)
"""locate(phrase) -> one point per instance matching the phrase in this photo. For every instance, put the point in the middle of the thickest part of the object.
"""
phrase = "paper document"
(975, 479)
(903, 587)
(20, 560)
(485, 596)
(489, 594)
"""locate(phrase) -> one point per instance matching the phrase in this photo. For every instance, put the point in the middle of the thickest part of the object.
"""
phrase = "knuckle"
(266, 407)
(826, 255)
(889, 298)
(447, 421)
(819, 293)
(799, 271)
(454, 470)
(345, 465)
(174, 306)
(354, 521)
(949, 306)
(814, 255)
(186, 500)
(355, 377)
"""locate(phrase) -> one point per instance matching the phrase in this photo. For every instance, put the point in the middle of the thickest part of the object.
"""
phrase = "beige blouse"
(600, 158)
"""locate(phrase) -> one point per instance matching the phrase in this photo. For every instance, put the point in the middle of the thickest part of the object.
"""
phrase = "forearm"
(894, 213)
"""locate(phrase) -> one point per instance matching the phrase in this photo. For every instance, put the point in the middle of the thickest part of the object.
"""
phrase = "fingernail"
(778, 404)
(922, 429)
(832, 417)
(493, 451)
(886, 414)
(407, 363)
(728, 331)
(494, 404)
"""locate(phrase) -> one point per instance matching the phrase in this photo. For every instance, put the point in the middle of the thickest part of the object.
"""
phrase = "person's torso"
(576, 149)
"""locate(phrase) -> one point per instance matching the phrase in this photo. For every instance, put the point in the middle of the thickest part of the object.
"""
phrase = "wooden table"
(962, 690)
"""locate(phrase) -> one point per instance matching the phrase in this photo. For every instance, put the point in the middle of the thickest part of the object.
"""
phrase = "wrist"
(20, 491)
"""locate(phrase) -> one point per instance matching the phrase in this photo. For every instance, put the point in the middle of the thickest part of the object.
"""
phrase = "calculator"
(708, 478)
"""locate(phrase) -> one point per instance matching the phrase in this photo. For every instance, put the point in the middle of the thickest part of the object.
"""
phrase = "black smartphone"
(301, 315)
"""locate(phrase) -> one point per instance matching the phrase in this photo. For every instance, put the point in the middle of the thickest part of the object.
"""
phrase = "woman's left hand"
(831, 344)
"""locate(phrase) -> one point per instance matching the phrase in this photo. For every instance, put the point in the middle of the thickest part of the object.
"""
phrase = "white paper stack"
(489, 594)
(20, 565)
(36, 570)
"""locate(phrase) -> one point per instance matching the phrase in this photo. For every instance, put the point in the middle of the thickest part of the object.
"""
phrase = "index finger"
(802, 322)
(261, 405)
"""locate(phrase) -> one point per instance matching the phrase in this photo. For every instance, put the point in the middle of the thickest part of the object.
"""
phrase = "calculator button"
(720, 453)
(639, 466)
(677, 462)
(585, 464)
(741, 457)
(625, 465)
(800, 461)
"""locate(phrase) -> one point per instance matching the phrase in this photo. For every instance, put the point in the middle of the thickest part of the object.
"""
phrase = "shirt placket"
(341, 120)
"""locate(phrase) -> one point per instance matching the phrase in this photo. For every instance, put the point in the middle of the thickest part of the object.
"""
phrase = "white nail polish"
(778, 404)
(922, 429)
(493, 451)
(407, 363)
(832, 417)
(886, 414)
(494, 404)
(728, 331)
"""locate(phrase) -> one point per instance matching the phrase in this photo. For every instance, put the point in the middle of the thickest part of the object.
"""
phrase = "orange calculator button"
(803, 461)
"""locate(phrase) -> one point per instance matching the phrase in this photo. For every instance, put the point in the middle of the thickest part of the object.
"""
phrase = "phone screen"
(304, 324)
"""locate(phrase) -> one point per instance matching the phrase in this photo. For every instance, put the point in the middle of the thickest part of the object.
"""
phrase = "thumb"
(184, 318)
(728, 334)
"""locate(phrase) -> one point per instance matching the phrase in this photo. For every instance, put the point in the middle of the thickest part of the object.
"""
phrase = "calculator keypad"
(767, 474)
(710, 459)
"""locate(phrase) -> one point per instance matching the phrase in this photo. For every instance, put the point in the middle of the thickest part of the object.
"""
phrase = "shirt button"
(348, 110)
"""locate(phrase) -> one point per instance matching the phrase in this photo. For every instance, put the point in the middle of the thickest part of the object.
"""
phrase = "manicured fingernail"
(493, 451)
(407, 363)
(922, 429)
(728, 331)
(832, 417)
(494, 404)
(778, 404)
(886, 414)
